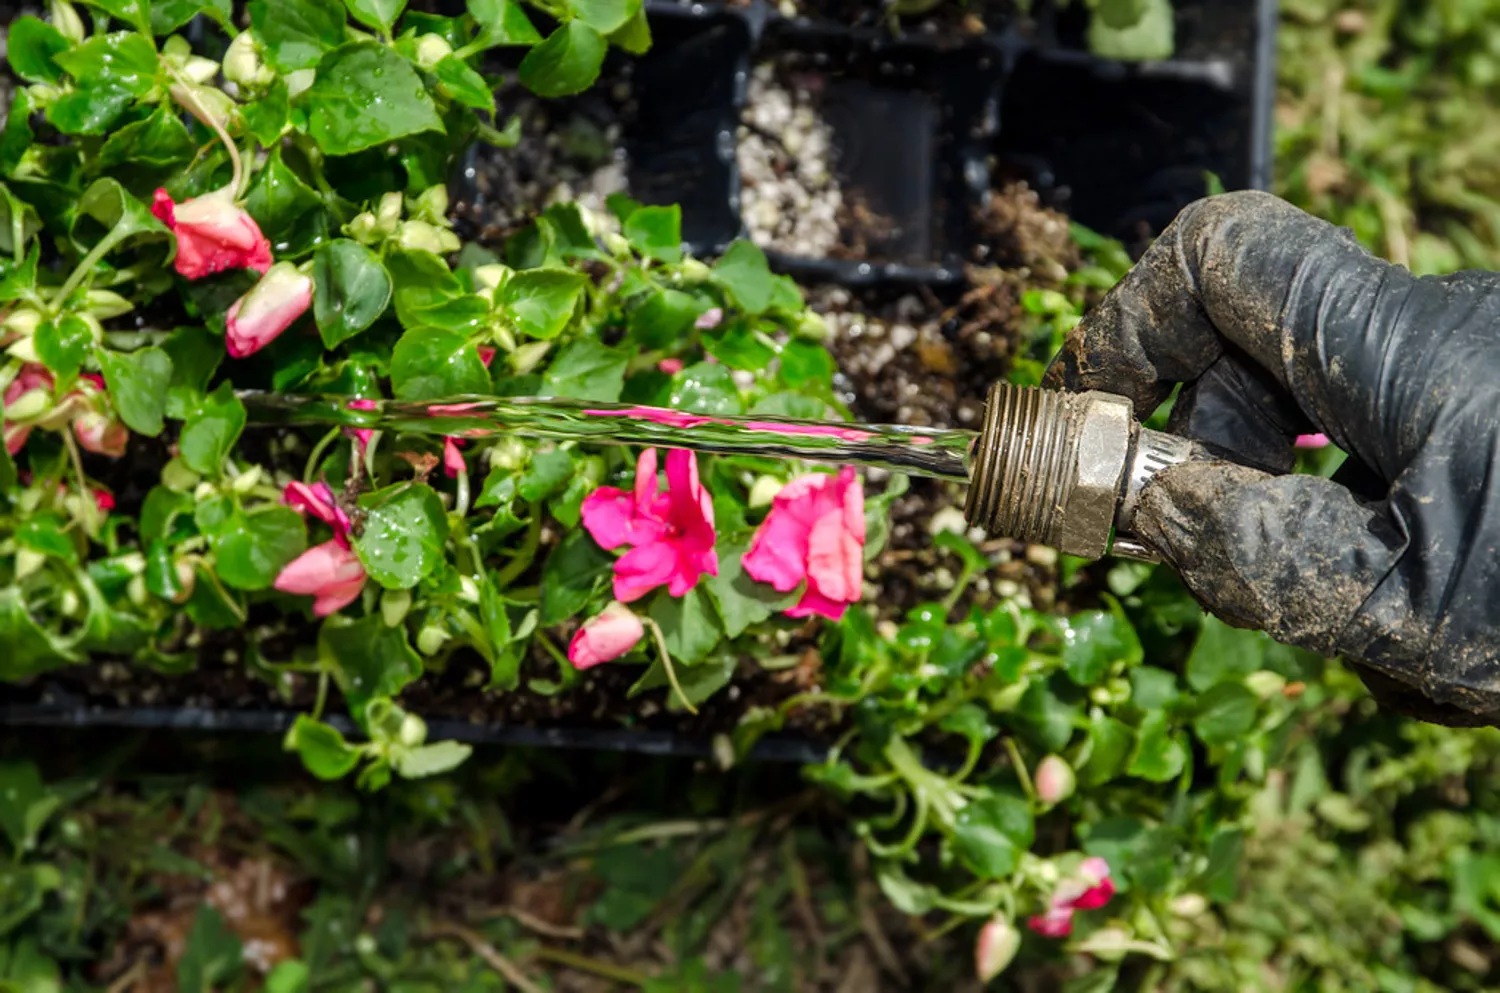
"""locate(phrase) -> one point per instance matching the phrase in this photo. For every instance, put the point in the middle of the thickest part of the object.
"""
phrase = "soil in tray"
(918, 358)
(943, 19)
(821, 174)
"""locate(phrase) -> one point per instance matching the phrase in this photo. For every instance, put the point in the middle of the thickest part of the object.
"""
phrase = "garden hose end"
(1065, 470)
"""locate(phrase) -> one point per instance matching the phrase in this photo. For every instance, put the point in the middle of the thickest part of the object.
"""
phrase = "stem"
(317, 713)
(504, 966)
(666, 663)
(105, 246)
(189, 95)
(85, 495)
(525, 554)
(317, 453)
(461, 502)
(582, 963)
(964, 579)
(1022, 773)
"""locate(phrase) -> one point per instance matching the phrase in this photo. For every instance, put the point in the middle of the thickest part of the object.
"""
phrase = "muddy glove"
(1279, 324)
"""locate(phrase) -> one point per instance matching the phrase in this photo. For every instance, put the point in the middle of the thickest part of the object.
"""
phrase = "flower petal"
(643, 569)
(813, 602)
(607, 514)
(330, 572)
(778, 552)
(835, 561)
(615, 631)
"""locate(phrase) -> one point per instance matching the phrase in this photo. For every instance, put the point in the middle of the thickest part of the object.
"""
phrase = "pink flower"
(212, 234)
(100, 434)
(605, 637)
(1312, 441)
(1091, 889)
(486, 354)
(318, 500)
(105, 501)
(672, 532)
(1055, 780)
(670, 366)
(257, 318)
(814, 532)
(709, 319)
(453, 459)
(32, 379)
(330, 572)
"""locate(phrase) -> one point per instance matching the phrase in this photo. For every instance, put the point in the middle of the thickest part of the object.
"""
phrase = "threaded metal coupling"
(1064, 469)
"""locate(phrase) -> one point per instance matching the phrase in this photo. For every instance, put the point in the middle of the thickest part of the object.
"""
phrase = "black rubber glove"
(1279, 324)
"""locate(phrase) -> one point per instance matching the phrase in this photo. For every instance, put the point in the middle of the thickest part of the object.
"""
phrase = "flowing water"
(916, 451)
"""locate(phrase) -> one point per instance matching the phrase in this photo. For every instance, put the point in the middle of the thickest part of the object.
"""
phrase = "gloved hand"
(1279, 324)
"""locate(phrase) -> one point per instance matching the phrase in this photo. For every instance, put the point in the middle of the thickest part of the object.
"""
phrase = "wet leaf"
(123, 61)
(587, 369)
(380, 14)
(991, 833)
(296, 33)
(743, 271)
(404, 533)
(1225, 714)
(742, 602)
(542, 301)
(253, 547)
(463, 84)
(366, 95)
(572, 571)
(211, 431)
(656, 232)
(429, 364)
(687, 623)
(137, 383)
(323, 750)
(502, 22)
(31, 44)
(351, 289)
(1158, 755)
(369, 660)
(566, 63)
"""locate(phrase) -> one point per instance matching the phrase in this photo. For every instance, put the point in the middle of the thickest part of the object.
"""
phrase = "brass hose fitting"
(1065, 470)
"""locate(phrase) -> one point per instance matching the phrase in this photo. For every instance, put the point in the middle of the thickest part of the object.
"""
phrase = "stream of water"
(942, 453)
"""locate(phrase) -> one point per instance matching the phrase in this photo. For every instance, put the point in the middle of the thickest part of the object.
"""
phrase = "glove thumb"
(1295, 555)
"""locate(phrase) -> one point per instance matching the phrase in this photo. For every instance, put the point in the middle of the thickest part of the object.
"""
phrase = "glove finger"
(1295, 556)
(1239, 412)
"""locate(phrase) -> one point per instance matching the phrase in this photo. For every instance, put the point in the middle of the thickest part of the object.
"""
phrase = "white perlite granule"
(790, 198)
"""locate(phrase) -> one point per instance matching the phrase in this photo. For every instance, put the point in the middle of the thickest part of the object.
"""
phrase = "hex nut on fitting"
(1105, 428)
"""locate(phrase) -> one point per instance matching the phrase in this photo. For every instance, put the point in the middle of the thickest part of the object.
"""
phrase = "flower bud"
(813, 327)
(996, 948)
(424, 237)
(187, 580)
(489, 278)
(413, 731)
(24, 349)
(270, 307)
(432, 49)
(388, 214)
(364, 229)
(208, 104)
(243, 64)
(22, 323)
(199, 70)
(430, 639)
(432, 205)
(42, 96)
(66, 20)
(694, 271)
(1054, 780)
(177, 477)
(28, 562)
(247, 480)
(29, 406)
(204, 491)
(1265, 684)
(1190, 905)
(394, 605)
(509, 452)
(105, 304)
(468, 589)
(299, 81)
(69, 604)
(137, 592)
(616, 244)
(100, 434)
(529, 356)
(764, 491)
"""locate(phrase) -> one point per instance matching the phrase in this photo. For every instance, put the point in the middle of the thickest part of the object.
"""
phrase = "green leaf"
(195, 353)
(211, 431)
(542, 301)
(804, 363)
(741, 601)
(663, 318)
(697, 682)
(568, 579)
(990, 834)
(745, 275)
(1110, 741)
(1158, 756)
(656, 232)
(1133, 30)
(404, 534)
(587, 369)
(740, 348)
(1093, 641)
(18, 219)
(122, 61)
(296, 33)
(278, 199)
(381, 14)
(351, 289)
(635, 35)
(43, 533)
(369, 659)
(366, 95)
(431, 760)
(604, 16)
(567, 63)
(160, 142)
(1225, 714)
(705, 388)
(31, 44)
(169, 15)
(212, 956)
(25, 803)
(545, 475)
(132, 12)
(428, 364)
(62, 344)
(126, 220)
(137, 383)
(289, 976)
(463, 84)
(323, 749)
(687, 623)
(88, 110)
(1223, 653)
(252, 548)
(502, 22)
(1046, 716)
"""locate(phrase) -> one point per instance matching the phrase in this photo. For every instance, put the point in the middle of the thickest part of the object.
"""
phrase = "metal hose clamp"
(1065, 470)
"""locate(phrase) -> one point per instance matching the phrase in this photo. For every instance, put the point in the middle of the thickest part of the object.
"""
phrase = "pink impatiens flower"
(269, 308)
(213, 234)
(330, 572)
(32, 379)
(453, 459)
(670, 366)
(672, 533)
(1312, 441)
(361, 436)
(1091, 889)
(605, 637)
(814, 532)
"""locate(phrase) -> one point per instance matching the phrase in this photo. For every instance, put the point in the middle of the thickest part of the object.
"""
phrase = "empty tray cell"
(681, 142)
(1122, 149)
(1201, 29)
(853, 148)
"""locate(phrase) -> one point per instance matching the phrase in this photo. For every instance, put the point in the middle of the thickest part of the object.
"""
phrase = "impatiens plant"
(268, 211)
